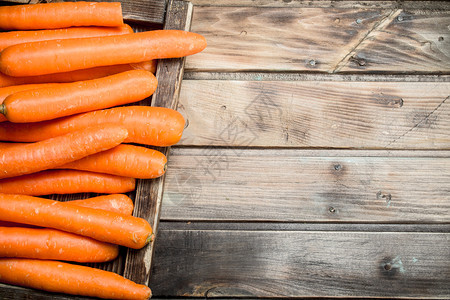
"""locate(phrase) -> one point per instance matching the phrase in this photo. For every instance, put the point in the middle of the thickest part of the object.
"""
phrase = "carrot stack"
(72, 75)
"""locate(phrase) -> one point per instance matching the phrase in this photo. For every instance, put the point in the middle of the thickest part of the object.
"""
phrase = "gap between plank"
(296, 76)
(169, 225)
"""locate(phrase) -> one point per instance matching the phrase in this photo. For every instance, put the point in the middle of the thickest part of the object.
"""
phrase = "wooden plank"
(412, 41)
(144, 11)
(280, 76)
(390, 115)
(327, 3)
(296, 226)
(321, 40)
(238, 263)
(169, 74)
(217, 184)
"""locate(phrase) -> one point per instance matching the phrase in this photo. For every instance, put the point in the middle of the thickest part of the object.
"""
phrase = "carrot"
(67, 99)
(4, 146)
(105, 226)
(6, 91)
(118, 203)
(11, 38)
(157, 126)
(44, 243)
(60, 277)
(78, 75)
(51, 153)
(60, 15)
(54, 56)
(123, 160)
(66, 182)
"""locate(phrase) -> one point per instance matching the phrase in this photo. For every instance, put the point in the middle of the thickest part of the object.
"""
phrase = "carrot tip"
(3, 109)
(150, 238)
(165, 167)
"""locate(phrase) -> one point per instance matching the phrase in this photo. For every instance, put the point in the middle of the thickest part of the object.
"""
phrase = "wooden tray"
(136, 265)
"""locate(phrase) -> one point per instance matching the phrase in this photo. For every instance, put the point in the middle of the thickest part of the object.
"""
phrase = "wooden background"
(316, 161)
(316, 158)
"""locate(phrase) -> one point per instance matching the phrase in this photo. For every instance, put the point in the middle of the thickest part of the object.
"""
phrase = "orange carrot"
(11, 38)
(4, 146)
(73, 54)
(44, 243)
(6, 91)
(54, 152)
(67, 99)
(118, 203)
(60, 277)
(66, 182)
(78, 75)
(105, 226)
(60, 15)
(157, 126)
(123, 160)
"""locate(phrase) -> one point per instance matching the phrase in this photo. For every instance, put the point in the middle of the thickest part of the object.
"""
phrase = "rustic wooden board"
(391, 115)
(169, 74)
(271, 263)
(408, 4)
(144, 11)
(410, 41)
(322, 39)
(307, 186)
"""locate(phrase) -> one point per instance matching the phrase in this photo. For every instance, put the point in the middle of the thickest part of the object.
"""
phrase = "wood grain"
(389, 115)
(235, 263)
(144, 11)
(306, 186)
(169, 74)
(408, 41)
(321, 40)
(406, 4)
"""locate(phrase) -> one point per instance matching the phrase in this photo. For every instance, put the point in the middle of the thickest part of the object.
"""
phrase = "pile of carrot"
(71, 74)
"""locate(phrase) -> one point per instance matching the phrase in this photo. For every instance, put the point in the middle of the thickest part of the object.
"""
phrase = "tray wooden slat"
(169, 74)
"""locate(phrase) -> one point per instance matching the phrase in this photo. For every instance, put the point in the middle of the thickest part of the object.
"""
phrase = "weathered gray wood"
(408, 41)
(169, 74)
(296, 226)
(327, 3)
(224, 263)
(392, 115)
(288, 185)
(144, 11)
(280, 76)
(322, 40)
